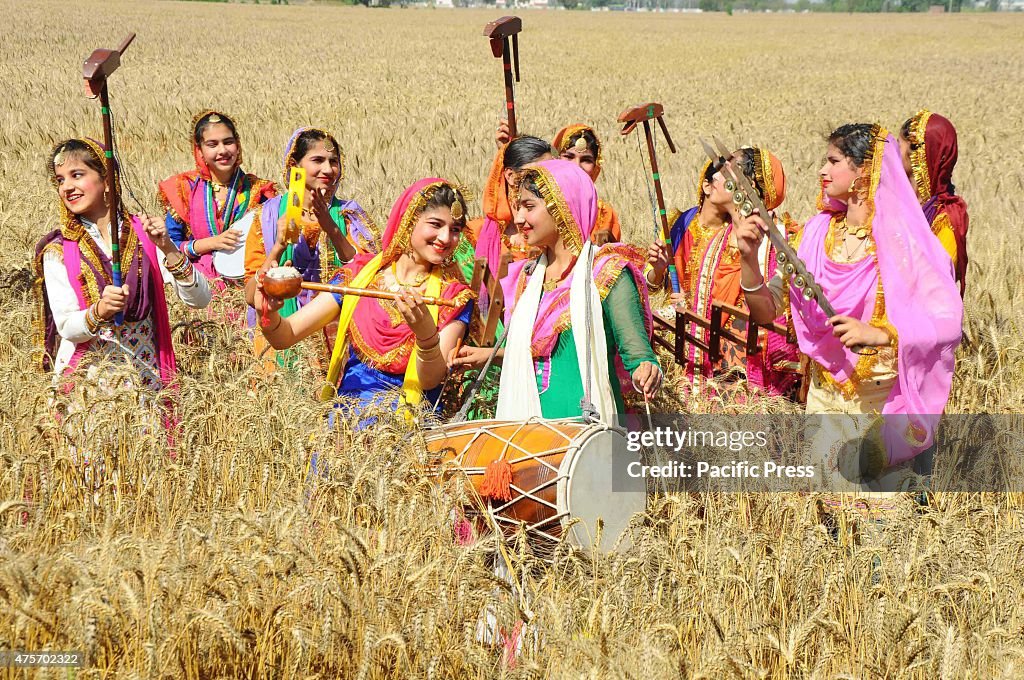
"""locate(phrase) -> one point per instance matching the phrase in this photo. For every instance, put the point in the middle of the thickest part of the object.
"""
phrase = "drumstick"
(373, 293)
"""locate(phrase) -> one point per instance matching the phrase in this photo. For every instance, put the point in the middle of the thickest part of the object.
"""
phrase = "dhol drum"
(231, 265)
(561, 477)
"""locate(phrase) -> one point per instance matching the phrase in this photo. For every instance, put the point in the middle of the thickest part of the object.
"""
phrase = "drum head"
(588, 494)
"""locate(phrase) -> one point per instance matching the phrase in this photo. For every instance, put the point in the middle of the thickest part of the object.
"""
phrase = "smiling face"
(322, 166)
(219, 148)
(837, 174)
(80, 186)
(435, 235)
(534, 222)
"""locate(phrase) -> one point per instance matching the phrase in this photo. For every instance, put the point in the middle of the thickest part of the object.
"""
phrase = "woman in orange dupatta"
(580, 144)
(708, 260)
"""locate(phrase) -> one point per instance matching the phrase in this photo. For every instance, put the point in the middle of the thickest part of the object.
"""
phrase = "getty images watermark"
(671, 442)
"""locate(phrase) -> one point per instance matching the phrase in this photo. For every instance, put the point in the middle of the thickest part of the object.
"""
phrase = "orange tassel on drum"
(497, 482)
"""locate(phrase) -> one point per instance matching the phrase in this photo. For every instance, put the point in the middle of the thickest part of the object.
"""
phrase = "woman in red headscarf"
(928, 146)
(201, 205)
(383, 345)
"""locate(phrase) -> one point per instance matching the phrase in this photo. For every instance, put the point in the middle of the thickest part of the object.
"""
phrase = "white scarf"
(518, 398)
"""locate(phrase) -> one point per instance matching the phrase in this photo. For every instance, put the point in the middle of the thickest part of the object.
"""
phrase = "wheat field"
(224, 562)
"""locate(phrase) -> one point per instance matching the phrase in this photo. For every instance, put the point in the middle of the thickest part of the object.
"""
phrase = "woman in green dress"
(572, 317)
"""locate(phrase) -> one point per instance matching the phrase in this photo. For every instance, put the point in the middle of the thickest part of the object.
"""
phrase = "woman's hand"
(287, 232)
(473, 357)
(502, 136)
(112, 300)
(227, 241)
(259, 297)
(647, 379)
(854, 332)
(749, 232)
(657, 258)
(412, 308)
(322, 210)
(157, 232)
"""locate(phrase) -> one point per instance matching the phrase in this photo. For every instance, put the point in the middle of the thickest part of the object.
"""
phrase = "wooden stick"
(373, 293)
(96, 70)
(499, 33)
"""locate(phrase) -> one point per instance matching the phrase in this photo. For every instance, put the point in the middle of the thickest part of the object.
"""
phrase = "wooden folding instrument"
(746, 197)
(501, 33)
(645, 113)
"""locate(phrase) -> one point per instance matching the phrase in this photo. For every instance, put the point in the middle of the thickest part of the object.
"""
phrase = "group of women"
(888, 247)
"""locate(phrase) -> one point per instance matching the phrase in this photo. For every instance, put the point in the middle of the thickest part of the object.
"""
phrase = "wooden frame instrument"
(97, 68)
(632, 117)
(504, 36)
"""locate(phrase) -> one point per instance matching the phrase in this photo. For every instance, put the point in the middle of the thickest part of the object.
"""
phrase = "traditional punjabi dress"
(904, 284)
(73, 265)
(604, 318)
(375, 349)
(192, 211)
(309, 256)
(709, 267)
(932, 159)
(607, 218)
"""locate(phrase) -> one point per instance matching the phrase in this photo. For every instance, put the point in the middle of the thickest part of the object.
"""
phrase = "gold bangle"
(420, 343)
(92, 319)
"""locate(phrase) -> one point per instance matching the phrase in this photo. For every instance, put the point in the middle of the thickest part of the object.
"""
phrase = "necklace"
(550, 285)
(416, 282)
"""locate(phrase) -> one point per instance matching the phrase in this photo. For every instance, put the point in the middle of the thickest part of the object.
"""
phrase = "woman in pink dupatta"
(575, 304)
(894, 292)
(74, 280)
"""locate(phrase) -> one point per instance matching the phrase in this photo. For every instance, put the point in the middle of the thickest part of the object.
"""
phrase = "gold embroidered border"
(919, 154)
(568, 229)
(763, 170)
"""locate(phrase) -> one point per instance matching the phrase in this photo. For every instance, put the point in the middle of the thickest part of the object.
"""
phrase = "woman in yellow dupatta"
(383, 345)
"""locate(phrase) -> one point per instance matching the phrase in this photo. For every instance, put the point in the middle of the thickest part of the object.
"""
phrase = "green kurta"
(624, 334)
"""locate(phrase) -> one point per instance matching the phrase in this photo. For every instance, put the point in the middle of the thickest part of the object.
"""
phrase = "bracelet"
(422, 344)
(754, 289)
(190, 250)
(429, 354)
(92, 319)
(182, 269)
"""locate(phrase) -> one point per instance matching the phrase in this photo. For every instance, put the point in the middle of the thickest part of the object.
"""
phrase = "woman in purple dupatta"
(333, 230)
(74, 281)
(894, 292)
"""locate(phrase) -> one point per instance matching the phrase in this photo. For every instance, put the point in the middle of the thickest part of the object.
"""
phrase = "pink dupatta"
(921, 301)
